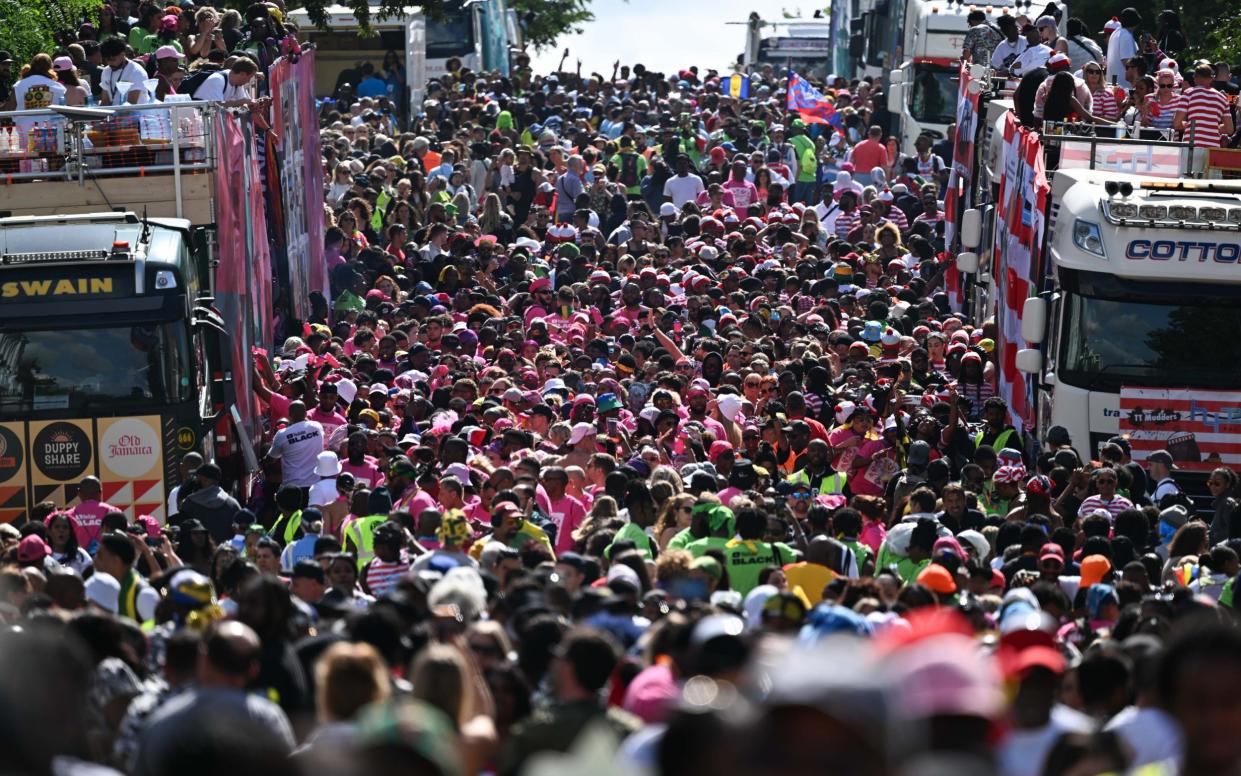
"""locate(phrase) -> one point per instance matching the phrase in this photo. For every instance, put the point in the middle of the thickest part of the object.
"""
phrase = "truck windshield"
(1108, 343)
(93, 369)
(452, 36)
(933, 94)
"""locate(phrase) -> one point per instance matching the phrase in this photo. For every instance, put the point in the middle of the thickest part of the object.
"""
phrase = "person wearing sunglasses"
(1104, 104)
(1104, 483)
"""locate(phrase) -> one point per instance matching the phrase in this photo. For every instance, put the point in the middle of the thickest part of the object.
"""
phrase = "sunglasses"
(801, 494)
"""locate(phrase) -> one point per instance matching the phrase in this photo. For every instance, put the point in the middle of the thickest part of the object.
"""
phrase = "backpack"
(194, 80)
(629, 170)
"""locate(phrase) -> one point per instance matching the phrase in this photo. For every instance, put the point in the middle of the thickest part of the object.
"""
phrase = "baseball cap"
(32, 549)
(1163, 457)
(163, 52)
(580, 431)
(1093, 569)
(103, 591)
(938, 579)
(919, 453)
(1051, 550)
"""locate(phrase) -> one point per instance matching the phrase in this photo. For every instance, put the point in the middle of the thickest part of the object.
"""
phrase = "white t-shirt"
(1032, 58)
(132, 74)
(1024, 751)
(216, 88)
(1006, 52)
(1151, 734)
(298, 446)
(323, 492)
(35, 92)
(683, 190)
(1120, 46)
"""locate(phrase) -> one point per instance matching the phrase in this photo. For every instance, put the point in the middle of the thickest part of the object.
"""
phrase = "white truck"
(915, 47)
(1129, 329)
(803, 44)
(478, 33)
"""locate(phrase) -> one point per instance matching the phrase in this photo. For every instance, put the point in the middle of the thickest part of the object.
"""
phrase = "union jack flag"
(808, 101)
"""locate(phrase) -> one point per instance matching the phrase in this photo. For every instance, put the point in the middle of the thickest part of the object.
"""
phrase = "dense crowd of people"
(635, 433)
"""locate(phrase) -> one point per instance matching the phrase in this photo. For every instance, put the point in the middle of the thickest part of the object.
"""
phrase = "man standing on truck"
(1007, 50)
(1202, 115)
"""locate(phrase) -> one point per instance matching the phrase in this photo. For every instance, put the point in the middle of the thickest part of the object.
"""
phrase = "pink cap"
(167, 52)
(62, 64)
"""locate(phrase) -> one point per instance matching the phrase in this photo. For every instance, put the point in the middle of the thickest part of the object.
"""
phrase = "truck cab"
(922, 84)
(1145, 291)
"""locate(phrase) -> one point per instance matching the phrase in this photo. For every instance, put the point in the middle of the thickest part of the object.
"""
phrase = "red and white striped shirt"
(1204, 111)
(1114, 507)
(845, 222)
(1105, 106)
(381, 577)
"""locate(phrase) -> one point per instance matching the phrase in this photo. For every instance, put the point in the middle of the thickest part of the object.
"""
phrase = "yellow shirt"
(810, 577)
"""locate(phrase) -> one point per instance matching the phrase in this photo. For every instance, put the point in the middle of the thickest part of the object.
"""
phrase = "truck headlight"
(1086, 235)
(165, 280)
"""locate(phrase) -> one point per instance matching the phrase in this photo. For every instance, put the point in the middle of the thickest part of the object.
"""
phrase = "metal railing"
(1120, 148)
(168, 138)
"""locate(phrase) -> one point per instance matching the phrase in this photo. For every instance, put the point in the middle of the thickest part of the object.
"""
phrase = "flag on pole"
(736, 86)
(808, 101)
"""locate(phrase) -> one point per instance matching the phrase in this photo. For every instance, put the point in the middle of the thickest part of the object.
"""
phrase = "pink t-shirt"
(873, 479)
(567, 513)
(329, 420)
(366, 473)
(89, 514)
(836, 438)
(744, 193)
(278, 406)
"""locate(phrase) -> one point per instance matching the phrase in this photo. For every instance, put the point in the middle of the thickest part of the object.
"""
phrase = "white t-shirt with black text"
(298, 446)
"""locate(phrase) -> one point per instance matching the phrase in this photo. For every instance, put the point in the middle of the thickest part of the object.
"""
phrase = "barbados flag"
(808, 101)
(736, 86)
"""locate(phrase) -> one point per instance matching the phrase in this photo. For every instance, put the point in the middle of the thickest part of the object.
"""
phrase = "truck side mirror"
(1029, 361)
(896, 92)
(1034, 320)
(967, 262)
(971, 228)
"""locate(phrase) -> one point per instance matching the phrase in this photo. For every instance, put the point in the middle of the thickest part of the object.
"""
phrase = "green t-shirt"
(681, 540)
(744, 566)
(807, 161)
(152, 42)
(349, 301)
(909, 569)
(633, 532)
(699, 547)
(635, 166)
(137, 34)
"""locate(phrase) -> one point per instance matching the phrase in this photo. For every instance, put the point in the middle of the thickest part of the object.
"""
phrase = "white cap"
(104, 591)
(667, 210)
(460, 471)
(347, 390)
(580, 431)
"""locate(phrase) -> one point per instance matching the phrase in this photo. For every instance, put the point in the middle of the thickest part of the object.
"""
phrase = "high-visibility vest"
(285, 528)
(1000, 441)
(360, 537)
(832, 485)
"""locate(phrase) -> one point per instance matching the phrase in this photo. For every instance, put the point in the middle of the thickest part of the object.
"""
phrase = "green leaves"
(31, 28)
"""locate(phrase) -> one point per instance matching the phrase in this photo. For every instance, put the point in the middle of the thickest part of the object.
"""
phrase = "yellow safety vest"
(832, 485)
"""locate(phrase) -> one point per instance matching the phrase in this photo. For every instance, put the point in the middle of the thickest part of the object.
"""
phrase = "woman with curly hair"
(673, 518)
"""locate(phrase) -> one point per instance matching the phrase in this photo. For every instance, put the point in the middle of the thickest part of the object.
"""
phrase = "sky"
(664, 35)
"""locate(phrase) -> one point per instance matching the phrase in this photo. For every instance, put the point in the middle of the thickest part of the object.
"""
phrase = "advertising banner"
(1200, 429)
(13, 459)
(131, 465)
(295, 126)
(61, 454)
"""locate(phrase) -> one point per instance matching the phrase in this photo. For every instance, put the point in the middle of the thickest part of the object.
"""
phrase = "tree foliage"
(31, 27)
(1212, 27)
(542, 21)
